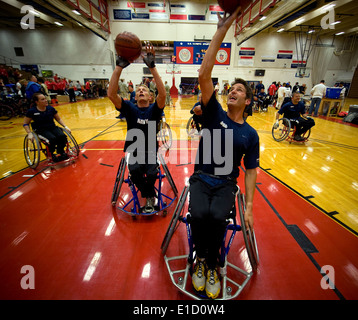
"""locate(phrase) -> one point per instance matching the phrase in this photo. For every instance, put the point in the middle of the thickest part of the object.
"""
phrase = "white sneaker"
(198, 278)
(213, 285)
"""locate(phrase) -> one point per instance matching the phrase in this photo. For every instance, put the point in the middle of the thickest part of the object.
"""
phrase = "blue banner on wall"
(122, 14)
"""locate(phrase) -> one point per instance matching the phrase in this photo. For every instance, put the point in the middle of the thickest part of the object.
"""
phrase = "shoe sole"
(212, 295)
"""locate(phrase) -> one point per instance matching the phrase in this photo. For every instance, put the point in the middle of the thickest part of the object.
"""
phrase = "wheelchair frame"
(137, 209)
(181, 282)
(284, 131)
(33, 149)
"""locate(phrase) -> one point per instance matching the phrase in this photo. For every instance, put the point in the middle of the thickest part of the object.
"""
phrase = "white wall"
(78, 53)
(71, 53)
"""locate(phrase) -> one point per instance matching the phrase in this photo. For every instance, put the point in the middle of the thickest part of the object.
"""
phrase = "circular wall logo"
(184, 55)
(221, 56)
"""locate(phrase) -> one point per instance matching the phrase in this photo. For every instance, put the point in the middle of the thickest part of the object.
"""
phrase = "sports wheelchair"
(136, 208)
(164, 135)
(285, 131)
(193, 128)
(230, 286)
(33, 149)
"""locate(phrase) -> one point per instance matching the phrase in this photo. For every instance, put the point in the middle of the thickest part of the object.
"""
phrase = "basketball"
(128, 46)
(231, 5)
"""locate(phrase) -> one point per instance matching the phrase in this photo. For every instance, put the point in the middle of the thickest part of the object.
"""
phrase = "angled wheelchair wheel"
(6, 112)
(282, 131)
(119, 181)
(248, 234)
(174, 222)
(32, 150)
(72, 148)
(191, 127)
(167, 173)
(165, 134)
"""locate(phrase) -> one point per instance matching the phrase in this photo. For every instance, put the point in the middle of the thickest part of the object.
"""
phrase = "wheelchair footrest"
(231, 286)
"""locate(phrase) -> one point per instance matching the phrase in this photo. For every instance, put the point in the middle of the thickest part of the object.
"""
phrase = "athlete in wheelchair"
(141, 119)
(194, 125)
(294, 117)
(59, 144)
(213, 186)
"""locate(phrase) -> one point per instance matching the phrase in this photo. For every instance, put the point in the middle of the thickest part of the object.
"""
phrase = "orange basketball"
(231, 5)
(128, 46)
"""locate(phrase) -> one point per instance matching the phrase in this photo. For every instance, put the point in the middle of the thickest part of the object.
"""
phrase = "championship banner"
(194, 52)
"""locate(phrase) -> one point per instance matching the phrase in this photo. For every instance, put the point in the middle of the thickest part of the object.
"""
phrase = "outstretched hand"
(149, 60)
(227, 19)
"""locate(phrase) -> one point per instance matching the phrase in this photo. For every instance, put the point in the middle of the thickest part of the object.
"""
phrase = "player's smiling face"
(237, 96)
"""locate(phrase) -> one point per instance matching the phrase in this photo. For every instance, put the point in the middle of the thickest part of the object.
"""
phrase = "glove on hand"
(149, 60)
(121, 62)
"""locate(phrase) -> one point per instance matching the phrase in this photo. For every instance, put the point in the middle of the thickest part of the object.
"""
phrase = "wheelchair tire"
(32, 151)
(248, 234)
(72, 148)
(119, 181)
(6, 112)
(191, 127)
(167, 173)
(174, 222)
(165, 135)
(282, 131)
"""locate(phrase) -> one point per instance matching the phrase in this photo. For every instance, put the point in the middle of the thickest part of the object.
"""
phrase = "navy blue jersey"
(292, 111)
(213, 155)
(137, 118)
(132, 97)
(42, 119)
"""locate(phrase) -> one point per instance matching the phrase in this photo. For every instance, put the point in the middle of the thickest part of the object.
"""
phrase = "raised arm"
(206, 84)
(149, 60)
(113, 83)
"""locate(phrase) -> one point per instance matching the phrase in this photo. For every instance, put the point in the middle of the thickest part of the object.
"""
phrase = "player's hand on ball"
(121, 62)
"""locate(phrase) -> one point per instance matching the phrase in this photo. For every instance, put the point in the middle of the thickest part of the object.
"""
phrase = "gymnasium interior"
(61, 238)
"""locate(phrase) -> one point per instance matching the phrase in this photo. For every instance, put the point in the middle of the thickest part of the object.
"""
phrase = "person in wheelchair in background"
(295, 112)
(197, 114)
(213, 187)
(142, 163)
(43, 115)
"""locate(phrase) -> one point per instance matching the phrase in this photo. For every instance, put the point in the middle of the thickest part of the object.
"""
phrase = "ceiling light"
(339, 33)
(76, 12)
(263, 18)
(311, 31)
(333, 23)
(280, 30)
(58, 24)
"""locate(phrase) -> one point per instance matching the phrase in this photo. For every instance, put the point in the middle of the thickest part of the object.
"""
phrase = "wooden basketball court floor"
(60, 221)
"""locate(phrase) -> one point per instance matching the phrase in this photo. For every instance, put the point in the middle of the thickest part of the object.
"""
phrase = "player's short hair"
(246, 85)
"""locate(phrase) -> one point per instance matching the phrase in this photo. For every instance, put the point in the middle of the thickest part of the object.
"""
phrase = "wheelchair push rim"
(32, 151)
(165, 135)
(72, 148)
(248, 234)
(282, 131)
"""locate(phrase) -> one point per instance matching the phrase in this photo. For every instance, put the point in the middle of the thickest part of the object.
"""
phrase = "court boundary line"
(308, 254)
(307, 198)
